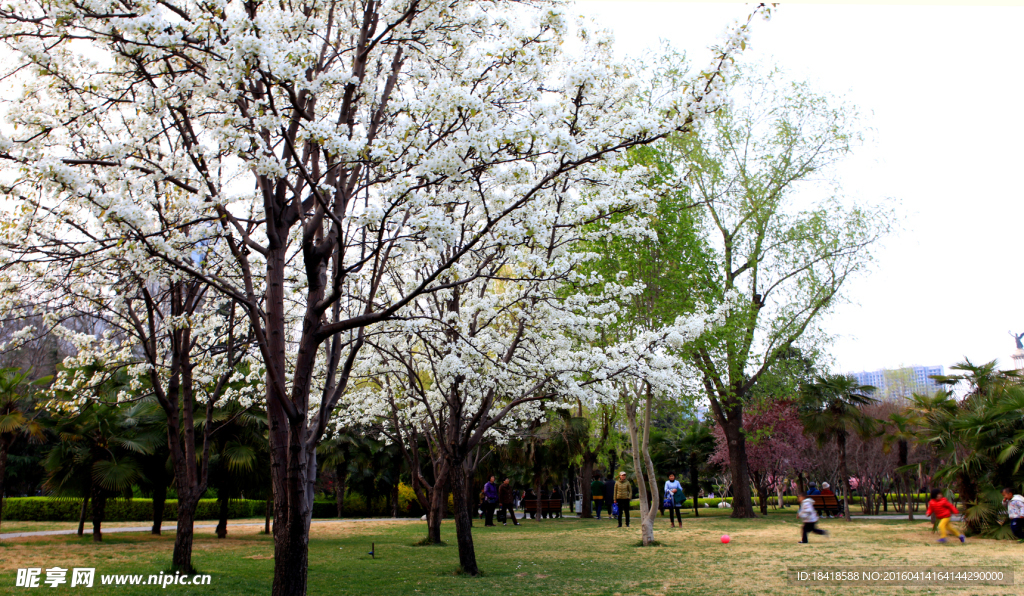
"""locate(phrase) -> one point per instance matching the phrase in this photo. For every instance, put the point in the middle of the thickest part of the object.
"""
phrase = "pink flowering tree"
(776, 446)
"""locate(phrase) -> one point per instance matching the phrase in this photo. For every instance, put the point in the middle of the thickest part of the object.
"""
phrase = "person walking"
(943, 511)
(809, 516)
(490, 501)
(623, 495)
(609, 494)
(597, 494)
(506, 497)
(1015, 508)
(674, 500)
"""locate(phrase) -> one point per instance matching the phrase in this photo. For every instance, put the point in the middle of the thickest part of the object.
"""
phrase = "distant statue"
(1017, 337)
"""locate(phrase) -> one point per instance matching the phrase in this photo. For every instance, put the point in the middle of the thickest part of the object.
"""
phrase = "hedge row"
(50, 509)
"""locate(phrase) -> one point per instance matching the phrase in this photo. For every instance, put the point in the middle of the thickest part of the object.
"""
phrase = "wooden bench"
(827, 503)
(546, 506)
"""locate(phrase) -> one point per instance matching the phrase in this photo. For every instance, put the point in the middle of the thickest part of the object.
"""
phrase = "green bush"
(141, 510)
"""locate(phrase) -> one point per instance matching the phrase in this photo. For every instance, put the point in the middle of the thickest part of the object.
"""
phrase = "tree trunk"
(222, 518)
(82, 516)
(904, 449)
(844, 476)
(694, 484)
(968, 496)
(181, 557)
(341, 473)
(463, 521)
(588, 477)
(762, 494)
(537, 513)
(293, 500)
(736, 441)
(640, 447)
(437, 506)
(5, 444)
(99, 509)
(159, 501)
(394, 501)
(266, 521)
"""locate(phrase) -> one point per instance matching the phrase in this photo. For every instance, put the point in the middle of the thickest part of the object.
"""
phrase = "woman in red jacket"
(943, 510)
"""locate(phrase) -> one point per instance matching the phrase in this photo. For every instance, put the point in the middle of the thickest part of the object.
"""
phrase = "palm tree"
(981, 437)
(15, 402)
(240, 459)
(696, 444)
(830, 408)
(902, 431)
(97, 456)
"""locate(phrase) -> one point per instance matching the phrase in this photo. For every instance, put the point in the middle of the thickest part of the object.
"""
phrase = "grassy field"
(566, 556)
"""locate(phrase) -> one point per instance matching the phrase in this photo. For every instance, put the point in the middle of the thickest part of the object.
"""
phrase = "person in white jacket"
(809, 516)
(1015, 508)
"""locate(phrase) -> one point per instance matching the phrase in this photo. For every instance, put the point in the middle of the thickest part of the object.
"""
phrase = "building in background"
(896, 383)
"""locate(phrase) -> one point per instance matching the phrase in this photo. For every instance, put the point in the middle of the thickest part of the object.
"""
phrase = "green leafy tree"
(831, 410)
(780, 243)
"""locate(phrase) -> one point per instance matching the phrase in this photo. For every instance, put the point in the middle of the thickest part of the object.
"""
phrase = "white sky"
(941, 86)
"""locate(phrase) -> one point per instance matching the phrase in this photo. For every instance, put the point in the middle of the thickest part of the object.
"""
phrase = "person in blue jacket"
(674, 500)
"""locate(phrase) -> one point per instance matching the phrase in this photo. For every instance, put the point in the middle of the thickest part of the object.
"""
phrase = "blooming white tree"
(331, 149)
(176, 341)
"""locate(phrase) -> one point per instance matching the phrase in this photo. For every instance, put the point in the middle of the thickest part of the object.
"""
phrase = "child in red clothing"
(943, 510)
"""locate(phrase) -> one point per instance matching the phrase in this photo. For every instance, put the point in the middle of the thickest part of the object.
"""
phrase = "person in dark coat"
(609, 494)
(597, 494)
(556, 493)
(505, 499)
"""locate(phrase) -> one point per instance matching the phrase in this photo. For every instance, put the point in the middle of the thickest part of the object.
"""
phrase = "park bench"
(546, 506)
(827, 503)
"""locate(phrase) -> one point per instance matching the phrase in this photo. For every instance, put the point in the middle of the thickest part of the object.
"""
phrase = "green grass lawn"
(567, 556)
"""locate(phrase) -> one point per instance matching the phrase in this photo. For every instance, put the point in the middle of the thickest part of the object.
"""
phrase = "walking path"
(173, 526)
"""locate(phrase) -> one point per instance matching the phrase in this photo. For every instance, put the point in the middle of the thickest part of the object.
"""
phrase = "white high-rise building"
(893, 383)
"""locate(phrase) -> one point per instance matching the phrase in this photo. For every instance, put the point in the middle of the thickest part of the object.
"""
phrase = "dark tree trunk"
(341, 473)
(266, 521)
(5, 445)
(181, 556)
(844, 476)
(82, 516)
(438, 504)
(293, 498)
(904, 449)
(742, 504)
(394, 500)
(222, 518)
(463, 521)
(159, 501)
(968, 496)
(588, 477)
(762, 493)
(694, 484)
(99, 509)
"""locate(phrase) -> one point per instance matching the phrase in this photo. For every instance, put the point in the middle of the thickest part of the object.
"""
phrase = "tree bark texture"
(222, 517)
(159, 501)
(463, 521)
(99, 509)
(181, 555)
(845, 479)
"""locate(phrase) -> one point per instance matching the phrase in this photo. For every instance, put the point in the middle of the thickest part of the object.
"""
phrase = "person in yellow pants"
(943, 511)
